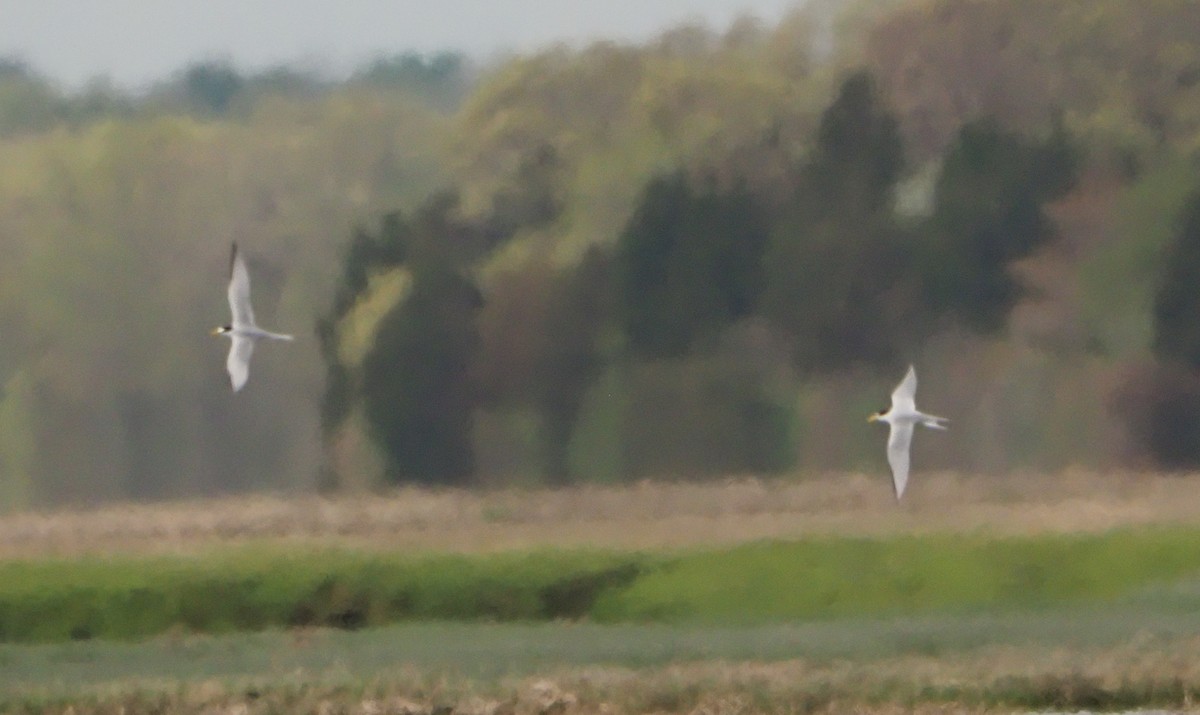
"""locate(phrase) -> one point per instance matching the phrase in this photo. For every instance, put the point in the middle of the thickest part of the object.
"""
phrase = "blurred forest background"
(714, 253)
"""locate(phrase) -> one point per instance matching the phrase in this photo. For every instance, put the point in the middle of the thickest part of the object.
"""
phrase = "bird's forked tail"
(933, 421)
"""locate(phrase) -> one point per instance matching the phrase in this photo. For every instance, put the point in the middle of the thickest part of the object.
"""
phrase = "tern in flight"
(243, 331)
(902, 417)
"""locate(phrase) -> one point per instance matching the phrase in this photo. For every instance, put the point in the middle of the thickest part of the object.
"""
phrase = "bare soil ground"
(648, 515)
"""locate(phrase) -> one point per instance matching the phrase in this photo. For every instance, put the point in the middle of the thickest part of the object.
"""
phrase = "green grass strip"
(942, 573)
(128, 597)
(832, 577)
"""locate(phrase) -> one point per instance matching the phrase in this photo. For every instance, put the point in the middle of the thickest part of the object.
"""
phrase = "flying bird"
(902, 417)
(243, 331)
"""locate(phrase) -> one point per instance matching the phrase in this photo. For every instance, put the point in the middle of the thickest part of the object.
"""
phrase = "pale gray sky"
(138, 41)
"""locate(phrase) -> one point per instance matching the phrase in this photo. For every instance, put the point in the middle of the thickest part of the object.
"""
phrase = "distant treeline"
(711, 253)
(31, 102)
(715, 299)
(765, 247)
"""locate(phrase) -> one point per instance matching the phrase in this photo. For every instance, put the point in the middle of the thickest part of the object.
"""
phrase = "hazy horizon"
(136, 42)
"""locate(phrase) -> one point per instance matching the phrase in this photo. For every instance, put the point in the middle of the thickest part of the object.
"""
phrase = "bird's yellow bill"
(215, 331)
(872, 418)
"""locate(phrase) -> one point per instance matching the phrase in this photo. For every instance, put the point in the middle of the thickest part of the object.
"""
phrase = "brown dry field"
(646, 515)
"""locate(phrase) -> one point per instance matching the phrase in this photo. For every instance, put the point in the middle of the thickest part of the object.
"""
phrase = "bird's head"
(876, 416)
(222, 329)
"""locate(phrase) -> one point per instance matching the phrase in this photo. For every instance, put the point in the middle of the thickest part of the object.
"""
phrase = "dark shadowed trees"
(441, 78)
(989, 211)
(210, 87)
(413, 381)
(1160, 402)
(417, 395)
(27, 102)
(689, 263)
(837, 257)
(1177, 302)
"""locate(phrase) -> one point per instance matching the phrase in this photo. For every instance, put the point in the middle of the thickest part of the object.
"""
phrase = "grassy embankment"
(771, 581)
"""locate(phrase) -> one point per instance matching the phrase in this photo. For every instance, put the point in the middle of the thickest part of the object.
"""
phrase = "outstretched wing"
(897, 452)
(239, 290)
(905, 395)
(238, 362)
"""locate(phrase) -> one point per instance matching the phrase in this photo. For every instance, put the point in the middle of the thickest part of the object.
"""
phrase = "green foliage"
(1122, 75)
(535, 198)
(210, 87)
(1160, 405)
(365, 253)
(417, 393)
(571, 359)
(858, 155)
(837, 258)
(1158, 402)
(28, 103)
(1177, 302)
(415, 383)
(688, 264)
(615, 116)
(988, 212)
(284, 81)
(99, 216)
(437, 355)
(1120, 277)
(440, 78)
(704, 417)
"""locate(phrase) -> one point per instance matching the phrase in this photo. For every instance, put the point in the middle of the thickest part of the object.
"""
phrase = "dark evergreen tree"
(367, 253)
(837, 257)
(210, 87)
(414, 383)
(989, 212)
(858, 155)
(1160, 403)
(417, 393)
(688, 263)
(1177, 302)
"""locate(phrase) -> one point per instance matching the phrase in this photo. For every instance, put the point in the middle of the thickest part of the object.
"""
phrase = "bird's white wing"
(238, 362)
(905, 395)
(239, 290)
(897, 452)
